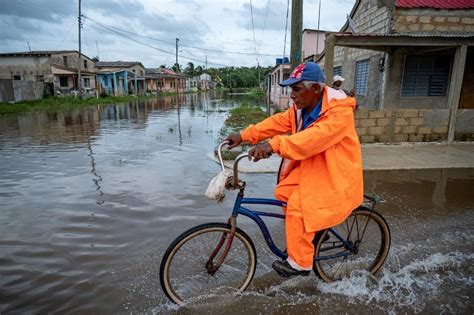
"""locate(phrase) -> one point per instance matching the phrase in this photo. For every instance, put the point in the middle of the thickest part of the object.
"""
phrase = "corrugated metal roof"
(117, 64)
(437, 4)
(41, 53)
(412, 34)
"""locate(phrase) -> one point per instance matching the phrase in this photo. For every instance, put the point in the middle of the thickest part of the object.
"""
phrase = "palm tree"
(189, 70)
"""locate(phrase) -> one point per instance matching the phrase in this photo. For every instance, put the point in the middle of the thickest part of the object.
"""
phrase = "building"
(163, 80)
(205, 82)
(411, 64)
(312, 43)
(58, 70)
(120, 78)
(276, 94)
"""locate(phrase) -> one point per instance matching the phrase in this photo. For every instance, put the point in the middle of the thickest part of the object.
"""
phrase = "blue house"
(120, 78)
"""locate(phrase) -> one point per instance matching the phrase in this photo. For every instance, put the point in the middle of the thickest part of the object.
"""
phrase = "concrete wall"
(464, 125)
(16, 91)
(28, 67)
(72, 58)
(432, 20)
(402, 125)
(373, 17)
(309, 40)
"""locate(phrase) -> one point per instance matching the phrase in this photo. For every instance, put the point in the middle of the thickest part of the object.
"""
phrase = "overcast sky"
(145, 30)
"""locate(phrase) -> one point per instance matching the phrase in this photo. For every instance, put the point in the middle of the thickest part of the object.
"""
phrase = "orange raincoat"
(327, 155)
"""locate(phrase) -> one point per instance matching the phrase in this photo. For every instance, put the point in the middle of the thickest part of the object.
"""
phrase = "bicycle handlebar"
(235, 183)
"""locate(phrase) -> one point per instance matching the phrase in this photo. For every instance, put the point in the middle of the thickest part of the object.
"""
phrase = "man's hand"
(261, 151)
(234, 140)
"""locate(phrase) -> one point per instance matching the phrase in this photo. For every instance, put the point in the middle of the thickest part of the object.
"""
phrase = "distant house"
(312, 47)
(121, 77)
(278, 95)
(205, 82)
(161, 80)
(411, 64)
(58, 69)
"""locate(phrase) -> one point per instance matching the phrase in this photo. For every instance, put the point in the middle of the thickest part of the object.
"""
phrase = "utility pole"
(97, 46)
(296, 29)
(318, 33)
(207, 83)
(29, 48)
(79, 85)
(177, 65)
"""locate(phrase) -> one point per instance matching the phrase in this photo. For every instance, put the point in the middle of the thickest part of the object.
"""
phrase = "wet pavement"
(90, 199)
(400, 156)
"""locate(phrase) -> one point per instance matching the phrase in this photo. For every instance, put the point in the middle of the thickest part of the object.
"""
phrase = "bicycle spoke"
(361, 227)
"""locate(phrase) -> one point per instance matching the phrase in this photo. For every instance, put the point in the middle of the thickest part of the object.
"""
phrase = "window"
(337, 70)
(17, 77)
(85, 64)
(87, 82)
(362, 77)
(65, 61)
(63, 81)
(425, 75)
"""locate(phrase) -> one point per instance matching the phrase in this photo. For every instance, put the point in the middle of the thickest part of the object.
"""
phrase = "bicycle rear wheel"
(367, 231)
(183, 272)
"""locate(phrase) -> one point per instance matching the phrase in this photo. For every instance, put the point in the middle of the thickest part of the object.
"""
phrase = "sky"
(223, 32)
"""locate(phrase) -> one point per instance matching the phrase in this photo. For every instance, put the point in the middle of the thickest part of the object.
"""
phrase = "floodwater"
(90, 199)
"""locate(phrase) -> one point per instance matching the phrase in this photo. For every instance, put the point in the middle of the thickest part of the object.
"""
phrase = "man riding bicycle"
(320, 177)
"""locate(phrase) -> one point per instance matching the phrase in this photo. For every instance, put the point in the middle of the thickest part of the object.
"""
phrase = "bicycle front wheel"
(183, 272)
(367, 231)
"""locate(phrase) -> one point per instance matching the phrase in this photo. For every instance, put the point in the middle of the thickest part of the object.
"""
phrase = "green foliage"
(257, 91)
(242, 116)
(229, 77)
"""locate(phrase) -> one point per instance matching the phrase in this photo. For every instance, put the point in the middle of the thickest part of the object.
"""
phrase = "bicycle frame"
(256, 217)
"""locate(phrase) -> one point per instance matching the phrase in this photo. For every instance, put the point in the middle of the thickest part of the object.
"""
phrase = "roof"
(65, 70)
(41, 53)
(118, 64)
(411, 34)
(313, 30)
(436, 4)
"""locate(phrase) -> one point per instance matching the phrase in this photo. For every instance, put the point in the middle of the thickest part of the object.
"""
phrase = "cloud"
(275, 18)
(52, 11)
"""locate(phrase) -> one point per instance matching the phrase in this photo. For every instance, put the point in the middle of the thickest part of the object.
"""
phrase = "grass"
(62, 103)
(242, 116)
(256, 91)
(239, 118)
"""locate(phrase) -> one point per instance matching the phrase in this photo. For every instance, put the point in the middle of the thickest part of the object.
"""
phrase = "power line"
(253, 30)
(111, 29)
(67, 34)
(188, 46)
(264, 25)
(286, 28)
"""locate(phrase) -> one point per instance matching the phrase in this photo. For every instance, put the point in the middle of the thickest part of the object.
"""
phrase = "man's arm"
(274, 125)
(328, 131)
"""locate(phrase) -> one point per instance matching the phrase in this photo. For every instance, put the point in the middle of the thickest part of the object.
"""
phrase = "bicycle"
(221, 256)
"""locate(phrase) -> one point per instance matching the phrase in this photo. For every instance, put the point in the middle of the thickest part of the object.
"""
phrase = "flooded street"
(90, 199)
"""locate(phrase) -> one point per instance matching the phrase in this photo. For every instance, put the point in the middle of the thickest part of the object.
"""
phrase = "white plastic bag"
(216, 188)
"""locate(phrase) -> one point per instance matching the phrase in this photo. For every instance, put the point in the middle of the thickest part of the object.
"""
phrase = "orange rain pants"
(299, 243)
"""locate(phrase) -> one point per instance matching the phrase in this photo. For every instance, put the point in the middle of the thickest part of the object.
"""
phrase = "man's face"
(337, 83)
(304, 97)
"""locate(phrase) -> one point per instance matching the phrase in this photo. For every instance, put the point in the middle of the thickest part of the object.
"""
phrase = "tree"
(189, 70)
